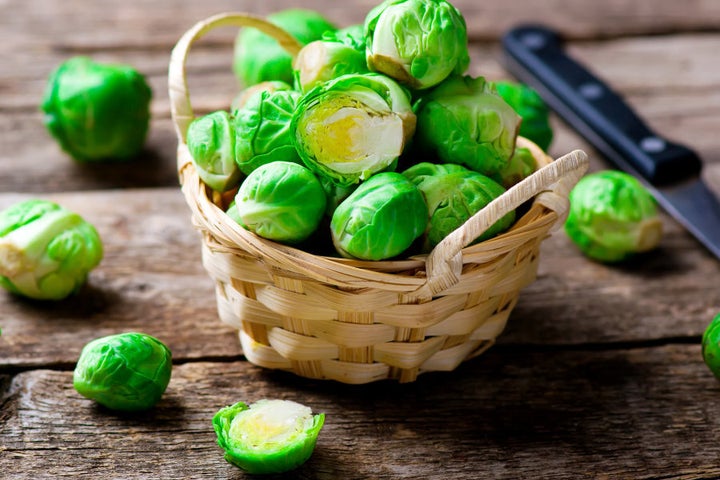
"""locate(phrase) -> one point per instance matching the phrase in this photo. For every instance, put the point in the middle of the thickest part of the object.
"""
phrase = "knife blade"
(535, 55)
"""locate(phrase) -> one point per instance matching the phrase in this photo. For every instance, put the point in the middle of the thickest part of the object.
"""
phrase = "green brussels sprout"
(262, 130)
(46, 251)
(259, 57)
(380, 219)
(521, 165)
(418, 42)
(269, 86)
(269, 436)
(211, 142)
(352, 36)
(464, 121)
(453, 194)
(532, 109)
(334, 193)
(612, 217)
(322, 60)
(127, 371)
(281, 201)
(97, 111)
(353, 126)
(711, 346)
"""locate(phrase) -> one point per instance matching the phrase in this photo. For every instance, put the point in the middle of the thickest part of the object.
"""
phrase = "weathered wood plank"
(151, 279)
(641, 413)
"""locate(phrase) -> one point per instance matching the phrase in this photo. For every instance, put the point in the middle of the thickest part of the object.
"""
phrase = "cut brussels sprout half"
(211, 142)
(281, 201)
(262, 129)
(268, 436)
(258, 57)
(380, 219)
(46, 251)
(127, 371)
(464, 121)
(97, 111)
(353, 126)
(612, 217)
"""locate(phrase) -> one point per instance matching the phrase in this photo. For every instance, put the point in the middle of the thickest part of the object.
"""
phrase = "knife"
(671, 171)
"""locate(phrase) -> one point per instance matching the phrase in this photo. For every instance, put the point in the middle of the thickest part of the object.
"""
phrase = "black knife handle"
(535, 55)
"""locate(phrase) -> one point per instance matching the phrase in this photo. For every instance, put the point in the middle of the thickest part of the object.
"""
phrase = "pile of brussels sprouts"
(373, 136)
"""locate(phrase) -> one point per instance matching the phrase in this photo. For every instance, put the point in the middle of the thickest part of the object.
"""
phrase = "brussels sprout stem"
(649, 234)
(21, 248)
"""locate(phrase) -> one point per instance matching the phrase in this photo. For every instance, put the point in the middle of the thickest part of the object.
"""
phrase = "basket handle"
(180, 107)
(550, 184)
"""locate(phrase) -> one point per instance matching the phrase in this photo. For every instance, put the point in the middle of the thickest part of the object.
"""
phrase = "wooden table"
(598, 374)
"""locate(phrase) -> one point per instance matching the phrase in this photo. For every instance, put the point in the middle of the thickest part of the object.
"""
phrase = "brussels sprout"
(262, 129)
(127, 371)
(521, 165)
(418, 42)
(270, 86)
(532, 109)
(46, 251)
(711, 346)
(321, 61)
(464, 121)
(612, 216)
(353, 126)
(380, 219)
(97, 111)
(334, 193)
(281, 201)
(259, 57)
(352, 36)
(454, 194)
(269, 436)
(211, 142)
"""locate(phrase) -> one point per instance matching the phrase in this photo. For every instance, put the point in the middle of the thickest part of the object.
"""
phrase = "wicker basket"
(359, 321)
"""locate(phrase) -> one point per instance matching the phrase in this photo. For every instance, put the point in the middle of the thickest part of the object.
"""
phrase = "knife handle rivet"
(591, 90)
(652, 144)
(533, 40)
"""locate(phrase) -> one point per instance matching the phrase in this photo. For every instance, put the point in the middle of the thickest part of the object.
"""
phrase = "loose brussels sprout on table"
(453, 194)
(380, 219)
(97, 111)
(612, 217)
(463, 120)
(46, 251)
(262, 129)
(259, 57)
(281, 201)
(269, 436)
(211, 141)
(353, 126)
(418, 42)
(532, 109)
(127, 371)
(711, 346)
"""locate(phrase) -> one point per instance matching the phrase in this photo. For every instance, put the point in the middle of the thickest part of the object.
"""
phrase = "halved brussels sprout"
(281, 201)
(259, 57)
(418, 42)
(322, 60)
(46, 251)
(97, 111)
(532, 109)
(127, 371)
(612, 216)
(211, 142)
(454, 194)
(262, 129)
(711, 346)
(522, 164)
(269, 436)
(353, 126)
(380, 219)
(463, 120)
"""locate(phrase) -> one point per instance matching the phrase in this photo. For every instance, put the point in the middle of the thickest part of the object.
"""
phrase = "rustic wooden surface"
(598, 375)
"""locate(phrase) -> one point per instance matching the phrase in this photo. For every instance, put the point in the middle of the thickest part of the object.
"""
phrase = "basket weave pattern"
(360, 321)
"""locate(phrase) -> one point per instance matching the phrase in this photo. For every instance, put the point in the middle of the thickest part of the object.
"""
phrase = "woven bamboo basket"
(359, 321)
